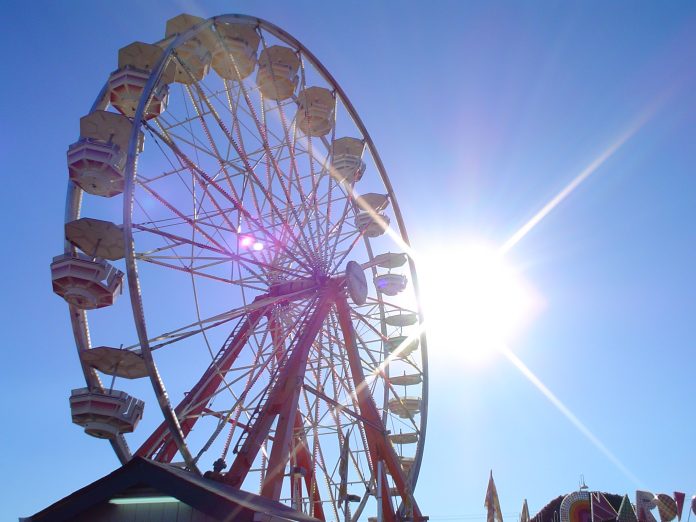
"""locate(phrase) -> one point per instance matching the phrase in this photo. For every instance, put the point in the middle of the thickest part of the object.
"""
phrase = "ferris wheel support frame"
(162, 442)
(170, 436)
(133, 285)
(299, 449)
(381, 450)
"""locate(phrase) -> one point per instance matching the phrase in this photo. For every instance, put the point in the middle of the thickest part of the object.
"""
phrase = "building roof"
(213, 498)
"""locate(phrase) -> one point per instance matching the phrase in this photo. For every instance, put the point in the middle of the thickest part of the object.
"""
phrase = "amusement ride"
(233, 242)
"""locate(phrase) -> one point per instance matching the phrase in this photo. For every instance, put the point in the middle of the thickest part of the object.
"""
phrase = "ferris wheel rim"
(73, 207)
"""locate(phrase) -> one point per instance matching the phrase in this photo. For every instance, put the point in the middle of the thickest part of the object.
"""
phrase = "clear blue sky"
(482, 112)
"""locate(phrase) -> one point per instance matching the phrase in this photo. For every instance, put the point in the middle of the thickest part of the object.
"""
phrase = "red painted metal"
(379, 446)
(300, 449)
(203, 389)
(218, 415)
(304, 461)
(282, 403)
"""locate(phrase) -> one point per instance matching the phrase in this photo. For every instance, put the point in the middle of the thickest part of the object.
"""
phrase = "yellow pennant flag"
(492, 503)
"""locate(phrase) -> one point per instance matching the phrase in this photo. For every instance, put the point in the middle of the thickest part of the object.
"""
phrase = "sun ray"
(639, 122)
(517, 362)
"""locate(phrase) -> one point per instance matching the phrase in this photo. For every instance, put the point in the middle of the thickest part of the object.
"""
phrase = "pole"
(380, 510)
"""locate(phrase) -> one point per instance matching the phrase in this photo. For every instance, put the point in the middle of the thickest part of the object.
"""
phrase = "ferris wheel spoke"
(168, 122)
(214, 321)
(311, 175)
(184, 218)
(247, 262)
(222, 162)
(194, 218)
(171, 245)
(205, 180)
(264, 131)
(192, 271)
(280, 405)
(342, 232)
(334, 229)
(352, 240)
(196, 174)
(280, 174)
(174, 137)
(261, 365)
(240, 153)
(188, 267)
(345, 379)
(205, 387)
(168, 222)
(239, 122)
(321, 463)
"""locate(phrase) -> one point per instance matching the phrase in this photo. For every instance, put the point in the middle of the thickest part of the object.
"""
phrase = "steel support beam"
(281, 404)
(300, 450)
(196, 398)
(378, 444)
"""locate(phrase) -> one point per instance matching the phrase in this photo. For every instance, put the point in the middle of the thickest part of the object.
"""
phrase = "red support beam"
(282, 403)
(204, 388)
(379, 446)
(300, 450)
(304, 461)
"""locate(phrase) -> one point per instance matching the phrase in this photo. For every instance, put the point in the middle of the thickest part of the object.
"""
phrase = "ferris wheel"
(225, 185)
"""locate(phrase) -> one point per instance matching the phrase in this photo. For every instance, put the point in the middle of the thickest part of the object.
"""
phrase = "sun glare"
(474, 301)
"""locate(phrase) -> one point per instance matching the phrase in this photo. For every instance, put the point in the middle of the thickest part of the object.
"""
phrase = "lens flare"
(474, 300)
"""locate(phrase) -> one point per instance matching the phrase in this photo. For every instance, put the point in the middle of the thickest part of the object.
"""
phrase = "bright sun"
(474, 301)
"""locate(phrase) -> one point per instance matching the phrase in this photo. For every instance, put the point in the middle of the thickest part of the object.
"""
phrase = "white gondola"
(277, 75)
(97, 159)
(315, 111)
(109, 127)
(370, 201)
(235, 56)
(401, 345)
(85, 283)
(97, 167)
(144, 56)
(105, 414)
(401, 320)
(96, 238)
(390, 260)
(370, 225)
(135, 63)
(405, 407)
(391, 284)
(406, 380)
(404, 438)
(126, 86)
(193, 57)
(113, 361)
(346, 159)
